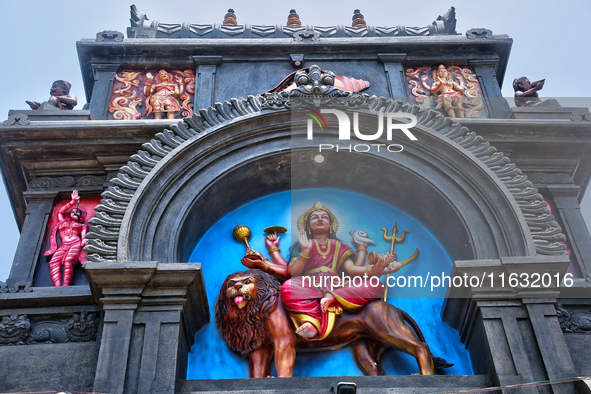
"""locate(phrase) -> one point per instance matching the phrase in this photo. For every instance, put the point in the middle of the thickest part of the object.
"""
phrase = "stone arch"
(161, 201)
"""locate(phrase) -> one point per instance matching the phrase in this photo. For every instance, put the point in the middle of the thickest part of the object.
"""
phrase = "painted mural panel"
(361, 221)
(152, 94)
(452, 90)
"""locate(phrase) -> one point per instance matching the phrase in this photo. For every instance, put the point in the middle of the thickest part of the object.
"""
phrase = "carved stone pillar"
(516, 327)
(37, 215)
(569, 211)
(395, 74)
(104, 74)
(205, 81)
(486, 71)
(149, 324)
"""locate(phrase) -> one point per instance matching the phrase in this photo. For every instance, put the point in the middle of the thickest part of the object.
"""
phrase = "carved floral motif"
(453, 90)
(133, 89)
(67, 181)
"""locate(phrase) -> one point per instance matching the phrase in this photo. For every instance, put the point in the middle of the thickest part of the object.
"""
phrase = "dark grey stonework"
(578, 345)
(365, 384)
(48, 367)
(30, 244)
(475, 185)
(49, 115)
(104, 74)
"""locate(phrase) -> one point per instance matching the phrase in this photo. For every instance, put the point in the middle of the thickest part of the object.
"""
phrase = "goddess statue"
(308, 294)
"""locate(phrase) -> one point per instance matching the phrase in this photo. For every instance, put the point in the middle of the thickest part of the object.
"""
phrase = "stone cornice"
(104, 234)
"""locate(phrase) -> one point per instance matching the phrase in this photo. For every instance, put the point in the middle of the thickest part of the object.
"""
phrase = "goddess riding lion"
(251, 318)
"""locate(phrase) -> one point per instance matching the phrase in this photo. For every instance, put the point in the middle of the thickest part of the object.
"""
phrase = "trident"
(393, 239)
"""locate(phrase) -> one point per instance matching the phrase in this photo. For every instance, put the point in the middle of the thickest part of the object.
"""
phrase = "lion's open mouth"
(241, 297)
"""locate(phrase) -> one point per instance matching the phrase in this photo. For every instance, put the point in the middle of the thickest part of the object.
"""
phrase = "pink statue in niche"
(72, 230)
(161, 95)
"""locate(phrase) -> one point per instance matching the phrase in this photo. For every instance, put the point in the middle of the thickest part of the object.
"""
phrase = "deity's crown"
(303, 219)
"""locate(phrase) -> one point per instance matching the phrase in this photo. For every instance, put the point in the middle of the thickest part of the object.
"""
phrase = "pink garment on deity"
(301, 295)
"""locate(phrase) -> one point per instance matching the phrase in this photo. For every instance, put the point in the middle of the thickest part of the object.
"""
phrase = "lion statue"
(251, 319)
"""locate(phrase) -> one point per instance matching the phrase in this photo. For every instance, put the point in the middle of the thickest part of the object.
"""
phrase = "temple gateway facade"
(197, 139)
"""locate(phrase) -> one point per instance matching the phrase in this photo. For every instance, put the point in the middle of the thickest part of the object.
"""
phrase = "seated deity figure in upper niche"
(526, 92)
(160, 95)
(60, 97)
(319, 255)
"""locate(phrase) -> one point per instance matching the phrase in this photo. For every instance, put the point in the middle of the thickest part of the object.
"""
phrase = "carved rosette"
(314, 85)
(314, 88)
(128, 94)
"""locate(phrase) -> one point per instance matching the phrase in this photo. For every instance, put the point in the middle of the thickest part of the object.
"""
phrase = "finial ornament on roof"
(293, 19)
(230, 18)
(140, 20)
(358, 19)
(142, 27)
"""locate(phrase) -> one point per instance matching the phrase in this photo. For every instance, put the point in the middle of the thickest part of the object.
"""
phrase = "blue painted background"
(220, 255)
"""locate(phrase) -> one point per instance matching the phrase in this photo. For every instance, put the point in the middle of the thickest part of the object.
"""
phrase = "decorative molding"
(578, 115)
(577, 321)
(550, 178)
(142, 27)
(17, 119)
(45, 182)
(109, 35)
(474, 34)
(312, 88)
(308, 34)
(262, 30)
(18, 287)
(19, 330)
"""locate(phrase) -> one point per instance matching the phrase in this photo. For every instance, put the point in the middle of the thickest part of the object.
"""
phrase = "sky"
(39, 45)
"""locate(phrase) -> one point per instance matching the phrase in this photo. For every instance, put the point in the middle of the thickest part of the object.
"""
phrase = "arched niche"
(437, 181)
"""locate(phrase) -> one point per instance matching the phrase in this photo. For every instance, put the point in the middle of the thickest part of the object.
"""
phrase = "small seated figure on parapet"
(526, 92)
(60, 97)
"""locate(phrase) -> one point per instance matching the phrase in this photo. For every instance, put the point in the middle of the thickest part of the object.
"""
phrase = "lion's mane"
(245, 330)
